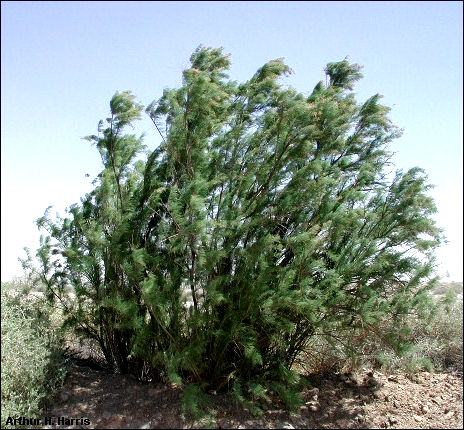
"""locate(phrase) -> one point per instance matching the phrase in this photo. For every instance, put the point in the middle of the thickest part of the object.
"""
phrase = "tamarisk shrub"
(263, 219)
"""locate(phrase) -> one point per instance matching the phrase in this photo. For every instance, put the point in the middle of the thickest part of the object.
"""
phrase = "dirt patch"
(425, 400)
(363, 400)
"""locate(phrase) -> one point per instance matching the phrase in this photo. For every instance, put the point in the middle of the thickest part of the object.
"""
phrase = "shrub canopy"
(265, 217)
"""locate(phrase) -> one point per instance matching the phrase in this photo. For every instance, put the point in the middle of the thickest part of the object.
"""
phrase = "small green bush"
(435, 342)
(440, 341)
(32, 361)
(430, 340)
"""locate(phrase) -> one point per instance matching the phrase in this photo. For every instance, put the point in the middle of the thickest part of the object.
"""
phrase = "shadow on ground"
(120, 401)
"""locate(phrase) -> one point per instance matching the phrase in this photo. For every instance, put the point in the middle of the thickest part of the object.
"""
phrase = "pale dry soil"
(366, 399)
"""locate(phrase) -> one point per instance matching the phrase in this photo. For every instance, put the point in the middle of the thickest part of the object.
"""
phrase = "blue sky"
(62, 61)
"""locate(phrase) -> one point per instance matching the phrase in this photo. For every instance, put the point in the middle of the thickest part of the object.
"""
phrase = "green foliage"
(32, 361)
(435, 338)
(427, 338)
(263, 220)
(194, 401)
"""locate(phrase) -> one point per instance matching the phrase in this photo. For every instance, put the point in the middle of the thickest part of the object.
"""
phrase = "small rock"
(285, 425)
(164, 405)
(313, 391)
(303, 408)
(313, 408)
(370, 373)
(418, 418)
(387, 398)
(395, 404)
(392, 420)
(393, 378)
(425, 409)
(384, 424)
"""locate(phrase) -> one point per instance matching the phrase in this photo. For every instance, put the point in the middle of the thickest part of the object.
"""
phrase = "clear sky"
(62, 61)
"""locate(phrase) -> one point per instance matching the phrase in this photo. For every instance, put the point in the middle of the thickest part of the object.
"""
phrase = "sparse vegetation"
(437, 343)
(430, 340)
(33, 364)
